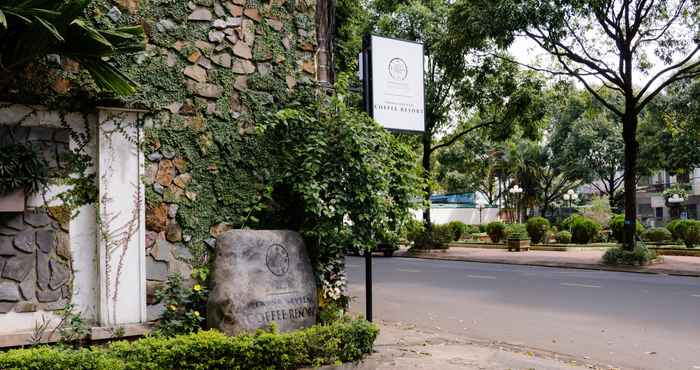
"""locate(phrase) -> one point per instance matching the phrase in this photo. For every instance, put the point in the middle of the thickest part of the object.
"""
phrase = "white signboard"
(397, 84)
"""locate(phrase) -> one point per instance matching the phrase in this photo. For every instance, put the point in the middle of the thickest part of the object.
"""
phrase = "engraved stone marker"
(260, 277)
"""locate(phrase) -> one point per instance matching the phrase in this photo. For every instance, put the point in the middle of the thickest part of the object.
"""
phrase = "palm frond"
(109, 78)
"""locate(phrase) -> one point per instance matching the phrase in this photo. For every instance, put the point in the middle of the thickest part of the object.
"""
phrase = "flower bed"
(342, 341)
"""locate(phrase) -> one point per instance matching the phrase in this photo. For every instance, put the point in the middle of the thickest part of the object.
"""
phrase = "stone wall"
(35, 260)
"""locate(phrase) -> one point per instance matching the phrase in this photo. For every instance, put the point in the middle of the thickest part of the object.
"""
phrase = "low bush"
(641, 255)
(563, 237)
(657, 234)
(537, 228)
(676, 233)
(482, 228)
(691, 233)
(584, 230)
(343, 341)
(438, 238)
(517, 232)
(496, 231)
(457, 228)
(412, 229)
(617, 226)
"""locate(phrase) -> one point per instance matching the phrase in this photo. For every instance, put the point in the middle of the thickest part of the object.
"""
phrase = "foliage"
(437, 237)
(640, 256)
(412, 229)
(687, 231)
(182, 307)
(517, 232)
(72, 328)
(537, 228)
(563, 237)
(343, 341)
(583, 229)
(30, 30)
(22, 167)
(676, 228)
(458, 229)
(617, 224)
(676, 189)
(496, 231)
(599, 210)
(657, 234)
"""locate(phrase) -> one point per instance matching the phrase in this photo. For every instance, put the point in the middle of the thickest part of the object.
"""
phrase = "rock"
(155, 157)
(191, 195)
(49, 296)
(151, 237)
(43, 273)
(168, 153)
(248, 32)
(239, 2)
(157, 217)
(216, 36)
(204, 46)
(6, 307)
(180, 164)
(223, 60)
(63, 245)
(291, 82)
(114, 14)
(218, 9)
(37, 218)
(173, 194)
(182, 252)
(219, 24)
(264, 68)
(45, 240)
(166, 172)
(17, 268)
(182, 180)
(25, 307)
(173, 233)
(234, 10)
(286, 42)
(241, 83)
(275, 24)
(196, 73)
(234, 21)
(204, 62)
(172, 210)
(151, 288)
(233, 39)
(219, 229)
(205, 90)
(154, 312)
(132, 6)
(253, 14)
(242, 50)
(200, 14)
(211, 242)
(28, 288)
(194, 56)
(155, 270)
(60, 274)
(158, 188)
(6, 248)
(260, 277)
(165, 25)
(309, 66)
(24, 241)
(13, 221)
(9, 292)
(161, 251)
(242, 66)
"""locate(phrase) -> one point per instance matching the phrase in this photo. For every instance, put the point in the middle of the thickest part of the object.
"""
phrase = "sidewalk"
(402, 346)
(672, 265)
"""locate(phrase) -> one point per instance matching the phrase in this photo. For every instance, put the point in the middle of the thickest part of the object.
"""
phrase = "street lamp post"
(570, 196)
(516, 191)
(480, 206)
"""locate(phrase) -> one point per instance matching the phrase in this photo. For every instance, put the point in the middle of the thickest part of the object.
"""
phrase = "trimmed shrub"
(691, 233)
(457, 228)
(482, 228)
(584, 230)
(412, 229)
(657, 235)
(676, 234)
(438, 238)
(537, 228)
(619, 256)
(496, 231)
(517, 232)
(343, 341)
(563, 237)
(617, 226)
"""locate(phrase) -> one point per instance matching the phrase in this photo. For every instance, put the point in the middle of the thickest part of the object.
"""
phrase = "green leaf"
(51, 28)
(3, 19)
(107, 77)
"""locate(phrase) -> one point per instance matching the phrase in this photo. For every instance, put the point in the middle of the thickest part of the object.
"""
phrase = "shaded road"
(634, 321)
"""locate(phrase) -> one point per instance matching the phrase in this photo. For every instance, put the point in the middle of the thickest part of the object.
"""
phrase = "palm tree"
(32, 29)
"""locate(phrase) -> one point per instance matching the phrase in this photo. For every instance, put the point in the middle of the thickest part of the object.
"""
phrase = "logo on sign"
(277, 259)
(398, 69)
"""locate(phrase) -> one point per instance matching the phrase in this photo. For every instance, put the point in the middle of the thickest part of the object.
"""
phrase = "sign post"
(393, 94)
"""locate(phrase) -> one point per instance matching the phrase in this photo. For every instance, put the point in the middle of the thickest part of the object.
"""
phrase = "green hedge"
(537, 228)
(496, 231)
(342, 341)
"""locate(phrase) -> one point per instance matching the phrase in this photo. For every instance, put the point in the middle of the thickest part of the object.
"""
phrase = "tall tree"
(634, 47)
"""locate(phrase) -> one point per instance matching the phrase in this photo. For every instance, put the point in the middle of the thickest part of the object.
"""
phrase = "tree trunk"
(426, 175)
(611, 191)
(629, 131)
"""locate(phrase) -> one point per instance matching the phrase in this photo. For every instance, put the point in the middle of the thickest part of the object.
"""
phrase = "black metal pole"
(367, 100)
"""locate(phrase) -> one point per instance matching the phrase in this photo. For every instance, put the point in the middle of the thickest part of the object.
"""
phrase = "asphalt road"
(627, 320)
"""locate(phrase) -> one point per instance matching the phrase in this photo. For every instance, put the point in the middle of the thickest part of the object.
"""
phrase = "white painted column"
(121, 219)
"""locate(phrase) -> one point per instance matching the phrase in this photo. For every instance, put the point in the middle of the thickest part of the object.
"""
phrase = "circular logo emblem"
(398, 69)
(277, 259)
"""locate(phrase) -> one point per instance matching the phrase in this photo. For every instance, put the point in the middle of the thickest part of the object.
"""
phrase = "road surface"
(627, 320)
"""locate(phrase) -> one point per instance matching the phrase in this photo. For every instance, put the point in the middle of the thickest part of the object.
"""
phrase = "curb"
(578, 266)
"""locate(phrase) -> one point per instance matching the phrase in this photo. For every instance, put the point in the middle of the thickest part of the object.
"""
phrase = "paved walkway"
(672, 265)
(402, 346)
